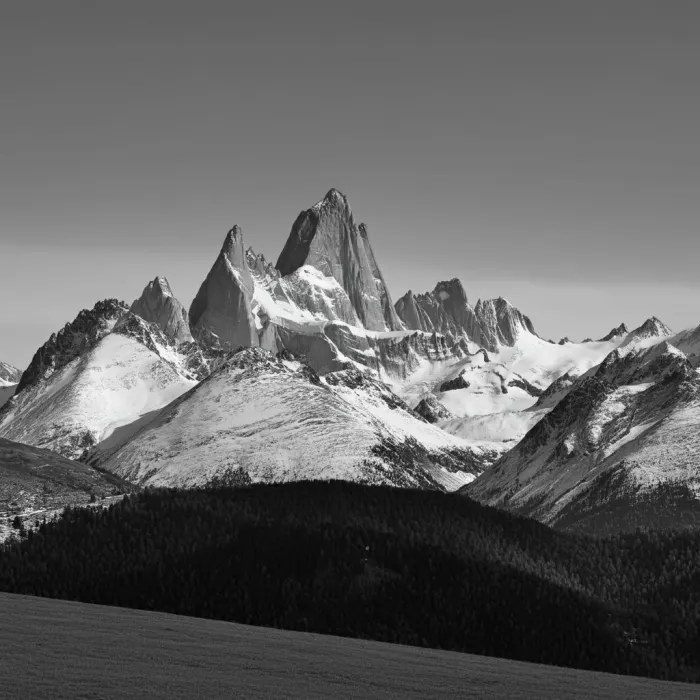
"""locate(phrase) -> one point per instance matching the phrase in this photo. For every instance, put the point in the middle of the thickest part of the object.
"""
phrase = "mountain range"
(306, 369)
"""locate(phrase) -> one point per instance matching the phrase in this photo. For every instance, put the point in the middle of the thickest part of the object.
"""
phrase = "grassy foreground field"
(61, 649)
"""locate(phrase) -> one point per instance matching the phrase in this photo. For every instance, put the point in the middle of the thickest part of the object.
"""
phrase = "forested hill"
(410, 567)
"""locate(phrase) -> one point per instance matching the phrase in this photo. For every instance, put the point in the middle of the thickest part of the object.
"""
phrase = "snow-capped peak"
(651, 330)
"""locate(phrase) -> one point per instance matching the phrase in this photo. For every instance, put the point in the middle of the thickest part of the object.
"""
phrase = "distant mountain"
(263, 417)
(619, 450)
(9, 378)
(491, 324)
(325, 300)
(9, 374)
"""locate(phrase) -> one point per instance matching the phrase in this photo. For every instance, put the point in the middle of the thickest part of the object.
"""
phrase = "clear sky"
(548, 152)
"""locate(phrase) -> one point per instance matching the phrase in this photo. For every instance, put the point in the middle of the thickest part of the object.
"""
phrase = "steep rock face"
(275, 419)
(622, 433)
(221, 314)
(500, 323)
(327, 238)
(158, 305)
(493, 323)
(74, 339)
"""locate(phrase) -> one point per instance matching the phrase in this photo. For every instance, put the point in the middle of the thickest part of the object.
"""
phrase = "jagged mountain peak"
(451, 289)
(615, 333)
(653, 327)
(327, 238)
(333, 198)
(158, 305)
(446, 310)
(81, 334)
(162, 285)
(650, 330)
(233, 248)
(220, 314)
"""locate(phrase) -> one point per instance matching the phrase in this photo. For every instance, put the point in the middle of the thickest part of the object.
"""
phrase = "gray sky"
(547, 152)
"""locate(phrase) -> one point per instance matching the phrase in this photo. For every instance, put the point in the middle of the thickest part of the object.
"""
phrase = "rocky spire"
(447, 310)
(158, 305)
(327, 238)
(221, 313)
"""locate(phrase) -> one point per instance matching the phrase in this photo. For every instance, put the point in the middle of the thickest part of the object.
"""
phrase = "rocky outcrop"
(490, 324)
(615, 333)
(158, 305)
(522, 383)
(459, 382)
(74, 339)
(221, 315)
(327, 238)
(432, 410)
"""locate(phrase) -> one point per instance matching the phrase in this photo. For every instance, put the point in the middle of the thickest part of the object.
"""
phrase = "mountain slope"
(266, 418)
(624, 434)
(100, 378)
(33, 481)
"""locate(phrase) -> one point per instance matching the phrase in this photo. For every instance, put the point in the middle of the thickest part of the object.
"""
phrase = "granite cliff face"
(221, 314)
(326, 300)
(327, 238)
(158, 305)
(491, 324)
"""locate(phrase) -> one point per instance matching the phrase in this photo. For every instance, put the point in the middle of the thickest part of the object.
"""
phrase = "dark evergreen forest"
(409, 567)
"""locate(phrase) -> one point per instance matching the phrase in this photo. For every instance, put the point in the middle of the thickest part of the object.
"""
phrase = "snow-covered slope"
(626, 433)
(499, 396)
(270, 418)
(96, 385)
